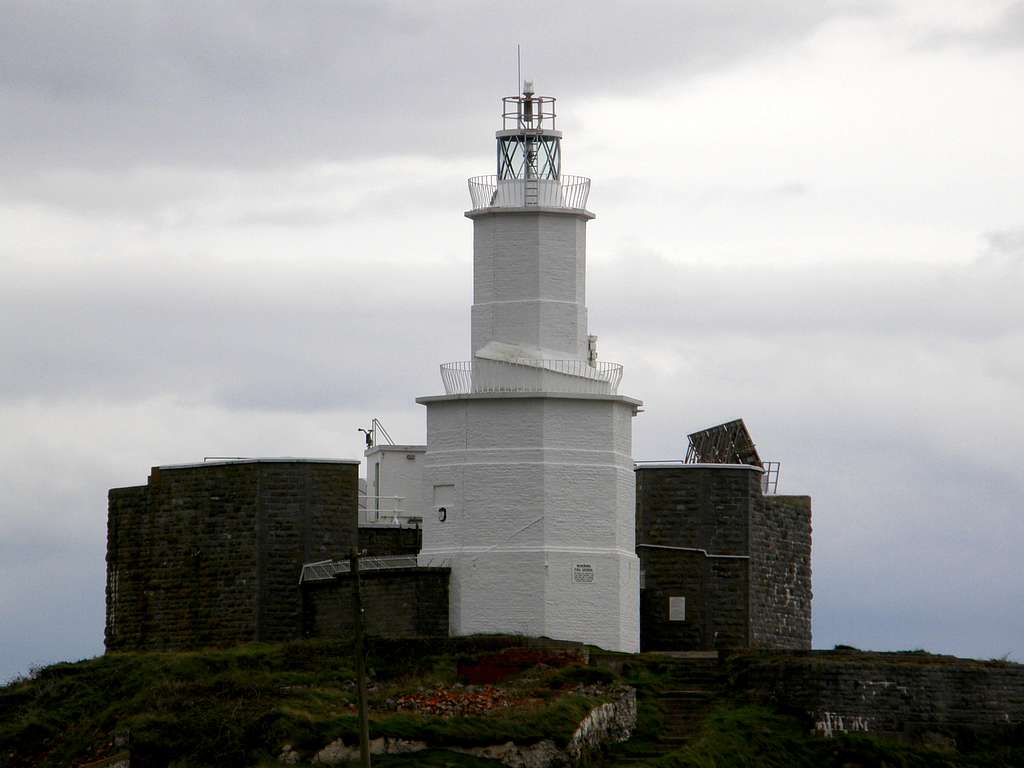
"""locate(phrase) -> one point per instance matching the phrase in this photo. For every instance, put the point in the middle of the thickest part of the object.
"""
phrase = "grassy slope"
(737, 735)
(237, 707)
(742, 733)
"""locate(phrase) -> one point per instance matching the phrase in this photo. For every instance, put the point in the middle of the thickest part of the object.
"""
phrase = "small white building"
(528, 473)
(394, 485)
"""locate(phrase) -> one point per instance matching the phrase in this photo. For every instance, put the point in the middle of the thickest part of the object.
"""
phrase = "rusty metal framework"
(728, 443)
(731, 443)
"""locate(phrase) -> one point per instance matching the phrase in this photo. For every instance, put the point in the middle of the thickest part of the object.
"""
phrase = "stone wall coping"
(379, 573)
(268, 460)
(127, 488)
(681, 465)
(395, 449)
(528, 396)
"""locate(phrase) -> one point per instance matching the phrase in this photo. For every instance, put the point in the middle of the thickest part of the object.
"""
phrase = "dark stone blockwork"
(210, 554)
(939, 700)
(382, 542)
(741, 560)
(400, 602)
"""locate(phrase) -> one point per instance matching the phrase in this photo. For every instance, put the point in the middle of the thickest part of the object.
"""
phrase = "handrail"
(323, 570)
(528, 375)
(564, 192)
(387, 509)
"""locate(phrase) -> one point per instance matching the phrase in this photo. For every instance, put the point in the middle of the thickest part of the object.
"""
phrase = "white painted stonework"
(394, 484)
(529, 281)
(529, 467)
(541, 485)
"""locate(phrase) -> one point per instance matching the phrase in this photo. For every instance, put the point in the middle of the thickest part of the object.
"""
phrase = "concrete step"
(683, 710)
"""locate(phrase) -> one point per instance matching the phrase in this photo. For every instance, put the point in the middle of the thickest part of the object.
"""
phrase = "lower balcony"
(481, 376)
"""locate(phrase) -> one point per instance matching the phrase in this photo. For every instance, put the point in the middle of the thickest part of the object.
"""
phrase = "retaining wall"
(917, 697)
(397, 603)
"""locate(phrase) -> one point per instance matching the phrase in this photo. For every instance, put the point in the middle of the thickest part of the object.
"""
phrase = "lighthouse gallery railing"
(570, 376)
(564, 192)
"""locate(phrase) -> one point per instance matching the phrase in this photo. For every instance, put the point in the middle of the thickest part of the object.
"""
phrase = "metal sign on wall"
(583, 573)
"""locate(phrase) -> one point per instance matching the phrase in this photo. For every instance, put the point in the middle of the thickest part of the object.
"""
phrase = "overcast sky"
(236, 229)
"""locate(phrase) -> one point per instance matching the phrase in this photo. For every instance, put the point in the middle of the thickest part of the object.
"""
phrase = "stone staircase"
(693, 681)
(687, 685)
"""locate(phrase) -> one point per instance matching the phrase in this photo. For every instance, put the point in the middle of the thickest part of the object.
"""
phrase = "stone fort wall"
(739, 560)
(210, 554)
(914, 696)
(780, 572)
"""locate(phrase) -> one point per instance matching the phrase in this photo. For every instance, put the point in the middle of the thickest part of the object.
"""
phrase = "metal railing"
(324, 570)
(376, 510)
(770, 478)
(523, 375)
(564, 192)
(528, 112)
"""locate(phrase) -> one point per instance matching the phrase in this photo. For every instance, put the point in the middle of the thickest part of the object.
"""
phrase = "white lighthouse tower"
(529, 464)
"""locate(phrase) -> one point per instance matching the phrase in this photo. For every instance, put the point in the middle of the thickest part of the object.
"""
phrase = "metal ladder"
(530, 191)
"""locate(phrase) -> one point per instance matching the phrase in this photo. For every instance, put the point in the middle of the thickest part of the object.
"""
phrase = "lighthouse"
(529, 469)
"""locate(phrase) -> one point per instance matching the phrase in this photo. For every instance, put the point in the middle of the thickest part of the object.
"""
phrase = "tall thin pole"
(357, 616)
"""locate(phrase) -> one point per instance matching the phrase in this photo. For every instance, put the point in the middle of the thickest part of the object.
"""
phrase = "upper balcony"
(563, 192)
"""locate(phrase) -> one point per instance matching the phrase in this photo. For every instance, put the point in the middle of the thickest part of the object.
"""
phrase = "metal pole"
(357, 615)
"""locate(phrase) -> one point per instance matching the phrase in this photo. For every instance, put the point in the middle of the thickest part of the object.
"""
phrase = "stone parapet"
(913, 696)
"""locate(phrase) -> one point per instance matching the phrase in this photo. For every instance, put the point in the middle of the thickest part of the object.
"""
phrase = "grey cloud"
(161, 198)
(916, 299)
(620, 190)
(1004, 32)
(322, 338)
(1004, 249)
(890, 433)
(126, 195)
(129, 84)
(127, 332)
(791, 189)
(442, 197)
(300, 217)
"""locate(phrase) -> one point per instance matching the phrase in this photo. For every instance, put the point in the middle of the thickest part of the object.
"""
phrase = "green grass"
(740, 734)
(176, 705)
(237, 707)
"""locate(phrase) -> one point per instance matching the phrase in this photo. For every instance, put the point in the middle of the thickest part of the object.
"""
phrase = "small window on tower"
(677, 609)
